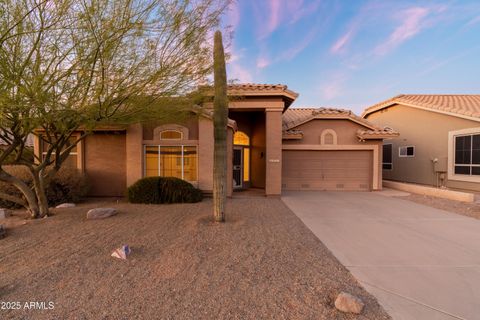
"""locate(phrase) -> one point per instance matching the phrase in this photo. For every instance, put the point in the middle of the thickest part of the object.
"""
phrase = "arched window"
(171, 135)
(328, 136)
(170, 132)
(241, 139)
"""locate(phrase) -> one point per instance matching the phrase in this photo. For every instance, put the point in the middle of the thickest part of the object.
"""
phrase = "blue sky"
(353, 53)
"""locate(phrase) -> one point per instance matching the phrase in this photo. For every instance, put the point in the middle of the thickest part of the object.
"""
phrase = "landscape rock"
(4, 213)
(346, 302)
(101, 213)
(122, 253)
(66, 205)
(3, 233)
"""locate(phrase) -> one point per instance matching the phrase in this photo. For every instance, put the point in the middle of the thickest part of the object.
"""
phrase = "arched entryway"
(241, 160)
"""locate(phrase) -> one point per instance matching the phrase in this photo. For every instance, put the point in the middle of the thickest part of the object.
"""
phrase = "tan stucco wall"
(346, 140)
(273, 166)
(428, 132)
(205, 154)
(345, 130)
(134, 150)
(191, 125)
(105, 163)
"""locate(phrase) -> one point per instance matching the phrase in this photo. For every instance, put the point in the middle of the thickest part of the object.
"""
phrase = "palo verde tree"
(67, 67)
(220, 122)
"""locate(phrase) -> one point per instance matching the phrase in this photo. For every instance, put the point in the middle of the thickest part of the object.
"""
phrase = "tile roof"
(261, 89)
(28, 142)
(378, 132)
(456, 104)
(258, 89)
(257, 86)
(296, 116)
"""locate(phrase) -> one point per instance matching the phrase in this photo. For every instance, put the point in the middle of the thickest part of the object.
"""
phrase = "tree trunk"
(220, 120)
(32, 203)
(39, 186)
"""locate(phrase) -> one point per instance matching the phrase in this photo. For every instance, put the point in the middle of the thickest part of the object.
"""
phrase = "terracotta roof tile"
(461, 104)
(296, 116)
(363, 134)
(259, 88)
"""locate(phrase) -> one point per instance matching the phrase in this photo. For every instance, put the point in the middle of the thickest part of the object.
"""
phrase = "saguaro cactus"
(220, 120)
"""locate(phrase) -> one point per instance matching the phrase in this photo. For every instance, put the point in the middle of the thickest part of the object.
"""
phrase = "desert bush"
(67, 185)
(163, 190)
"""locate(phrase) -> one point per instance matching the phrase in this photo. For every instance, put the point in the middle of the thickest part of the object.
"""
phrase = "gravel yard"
(263, 263)
(463, 208)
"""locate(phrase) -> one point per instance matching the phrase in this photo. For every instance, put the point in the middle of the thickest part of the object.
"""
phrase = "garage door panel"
(327, 170)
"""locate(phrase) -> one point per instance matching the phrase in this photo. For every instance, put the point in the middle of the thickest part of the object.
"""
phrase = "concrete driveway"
(420, 262)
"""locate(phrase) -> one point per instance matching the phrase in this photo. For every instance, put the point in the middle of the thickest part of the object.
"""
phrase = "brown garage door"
(327, 170)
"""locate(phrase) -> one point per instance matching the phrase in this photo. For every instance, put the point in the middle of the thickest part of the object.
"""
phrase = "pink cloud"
(268, 16)
(473, 22)
(233, 15)
(341, 43)
(263, 62)
(299, 10)
(412, 23)
(334, 87)
(271, 14)
(294, 50)
(368, 11)
(238, 72)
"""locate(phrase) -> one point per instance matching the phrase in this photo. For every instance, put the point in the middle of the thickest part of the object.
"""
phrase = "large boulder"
(3, 233)
(101, 213)
(346, 302)
(65, 205)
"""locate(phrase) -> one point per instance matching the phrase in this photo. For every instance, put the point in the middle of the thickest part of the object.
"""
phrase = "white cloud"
(412, 22)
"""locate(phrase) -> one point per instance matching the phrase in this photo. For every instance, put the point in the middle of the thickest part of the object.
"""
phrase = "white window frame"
(390, 163)
(451, 155)
(159, 148)
(77, 153)
(405, 155)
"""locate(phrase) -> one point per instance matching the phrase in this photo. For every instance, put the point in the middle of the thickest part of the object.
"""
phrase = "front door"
(237, 167)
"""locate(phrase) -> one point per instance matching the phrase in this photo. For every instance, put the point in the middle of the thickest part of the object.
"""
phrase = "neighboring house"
(439, 143)
(28, 142)
(270, 147)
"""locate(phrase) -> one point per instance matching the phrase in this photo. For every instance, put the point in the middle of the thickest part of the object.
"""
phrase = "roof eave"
(393, 102)
(377, 136)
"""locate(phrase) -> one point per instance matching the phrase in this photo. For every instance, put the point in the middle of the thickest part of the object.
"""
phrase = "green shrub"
(163, 190)
(67, 185)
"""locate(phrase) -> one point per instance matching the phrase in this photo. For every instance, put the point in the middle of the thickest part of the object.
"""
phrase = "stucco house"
(271, 147)
(439, 143)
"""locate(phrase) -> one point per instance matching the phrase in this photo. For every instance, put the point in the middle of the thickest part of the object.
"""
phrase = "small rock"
(3, 232)
(346, 302)
(101, 213)
(66, 205)
(122, 253)
(4, 213)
